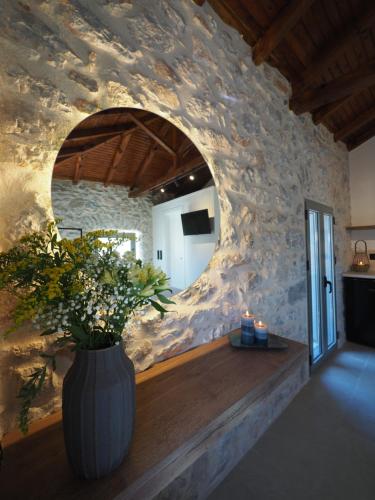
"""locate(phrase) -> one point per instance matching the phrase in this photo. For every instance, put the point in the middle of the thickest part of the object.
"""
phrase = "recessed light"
(162, 190)
(191, 177)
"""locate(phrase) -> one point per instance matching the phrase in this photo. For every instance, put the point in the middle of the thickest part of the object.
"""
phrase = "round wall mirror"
(135, 172)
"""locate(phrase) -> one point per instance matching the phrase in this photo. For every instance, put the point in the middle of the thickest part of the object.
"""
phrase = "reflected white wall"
(184, 258)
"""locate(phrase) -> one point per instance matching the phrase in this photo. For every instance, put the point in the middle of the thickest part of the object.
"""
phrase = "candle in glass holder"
(247, 328)
(261, 332)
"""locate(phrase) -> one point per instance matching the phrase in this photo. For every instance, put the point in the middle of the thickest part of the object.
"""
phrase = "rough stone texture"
(85, 81)
(265, 160)
(90, 206)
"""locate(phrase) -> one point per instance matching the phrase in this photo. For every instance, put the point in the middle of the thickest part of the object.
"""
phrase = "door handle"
(327, 283)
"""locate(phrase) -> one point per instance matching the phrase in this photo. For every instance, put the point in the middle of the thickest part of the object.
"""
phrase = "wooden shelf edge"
(14, 436)
(360, 228)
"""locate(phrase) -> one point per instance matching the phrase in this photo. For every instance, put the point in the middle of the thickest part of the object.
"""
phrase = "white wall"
(190, 254)
(362, 193)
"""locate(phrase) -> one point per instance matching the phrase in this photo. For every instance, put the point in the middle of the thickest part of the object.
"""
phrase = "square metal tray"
(275, 343)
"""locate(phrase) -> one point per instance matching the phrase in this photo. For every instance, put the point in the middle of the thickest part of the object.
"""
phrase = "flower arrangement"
(82, 290)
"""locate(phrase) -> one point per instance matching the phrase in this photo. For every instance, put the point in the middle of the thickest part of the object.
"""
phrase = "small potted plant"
(83, 292)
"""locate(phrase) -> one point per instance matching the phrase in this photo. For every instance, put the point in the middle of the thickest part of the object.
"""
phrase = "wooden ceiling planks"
(129, 147)
(326, 49)
(284, 21)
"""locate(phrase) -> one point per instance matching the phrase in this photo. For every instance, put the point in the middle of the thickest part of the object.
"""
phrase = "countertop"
(353, 274)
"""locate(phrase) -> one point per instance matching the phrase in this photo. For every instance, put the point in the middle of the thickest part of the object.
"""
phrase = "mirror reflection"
(134, 171)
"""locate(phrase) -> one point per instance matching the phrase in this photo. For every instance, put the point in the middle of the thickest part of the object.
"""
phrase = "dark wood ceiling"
(325, 48)
(133, 148)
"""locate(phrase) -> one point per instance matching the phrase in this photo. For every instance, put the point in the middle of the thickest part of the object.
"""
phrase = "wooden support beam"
(97, 132)
(354, 125)
(284, 22)
(68, 153)
(341, 87)
(238, 16)
(174, 138)
(339, 42)
(151, 153)
(117, 157)
(146, 162)
(181, 171)
(362, 137)
(77, 169)
(174, 145)
(326, 111)
(244, 23)
(184, 146)
(152, 134)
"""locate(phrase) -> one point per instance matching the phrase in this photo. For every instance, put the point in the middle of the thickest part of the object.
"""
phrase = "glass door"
(321, 280)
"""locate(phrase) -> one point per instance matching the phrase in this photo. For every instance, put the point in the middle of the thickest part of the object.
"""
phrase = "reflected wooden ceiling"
(133, 148)
(325, 48)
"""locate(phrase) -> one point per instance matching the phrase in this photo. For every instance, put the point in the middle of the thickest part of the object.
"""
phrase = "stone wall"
(64, 60)
(90, 206)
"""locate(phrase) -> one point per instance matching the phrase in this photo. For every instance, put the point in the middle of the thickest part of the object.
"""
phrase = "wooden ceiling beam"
(142, 169)
(235, 15)
(79, 150)
(174, 145)
(152, 134)
(150, 154)
(77, 169)
(185, 144)
(240, 18)
(355, 125)
(324, 112)
(96, 132)
(362, 137)
(341, 87)
(69, 153)
(276, 32)
(92, 135)
(339, 42)
(117, 157)
(181, 171)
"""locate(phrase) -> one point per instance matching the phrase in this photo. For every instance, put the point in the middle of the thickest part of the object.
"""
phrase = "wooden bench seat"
(188, 409)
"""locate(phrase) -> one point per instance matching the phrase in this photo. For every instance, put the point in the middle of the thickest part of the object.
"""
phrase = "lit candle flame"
(247, 313)
(260, 323)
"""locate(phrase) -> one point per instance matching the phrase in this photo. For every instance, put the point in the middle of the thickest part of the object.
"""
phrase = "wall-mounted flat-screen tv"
(197, 222)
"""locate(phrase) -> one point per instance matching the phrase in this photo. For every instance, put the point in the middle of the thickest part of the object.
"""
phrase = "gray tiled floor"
(323, 446)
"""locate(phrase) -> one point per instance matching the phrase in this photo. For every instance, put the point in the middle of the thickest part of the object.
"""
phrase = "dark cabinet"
(359, 297)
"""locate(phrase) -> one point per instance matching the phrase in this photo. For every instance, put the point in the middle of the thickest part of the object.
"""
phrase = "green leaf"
(27, 394)
(164, 299)
(78, 333)
(62, 341)
(51, 358)
(158, 307)
(159, 289)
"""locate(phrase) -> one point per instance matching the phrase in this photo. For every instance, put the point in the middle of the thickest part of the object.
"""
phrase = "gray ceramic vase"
(98, 410)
